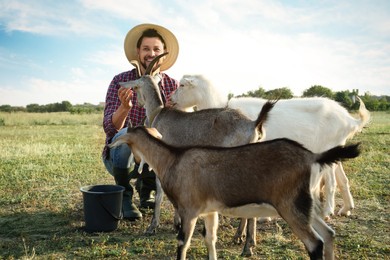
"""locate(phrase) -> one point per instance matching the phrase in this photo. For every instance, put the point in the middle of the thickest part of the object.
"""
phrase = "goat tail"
(338, 153)
(263, 115)
(364, 114)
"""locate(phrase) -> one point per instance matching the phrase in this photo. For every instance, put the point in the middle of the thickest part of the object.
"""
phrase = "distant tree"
(33, 108)
(86, 108)
(230, 95)
(66, 106)
(260, 92)
(384, 104)
(282, 93)
(344, 98)
(318, 91)
(18, 109)
(5, 108)
(372, 104)
(52, 107)
(10, 109)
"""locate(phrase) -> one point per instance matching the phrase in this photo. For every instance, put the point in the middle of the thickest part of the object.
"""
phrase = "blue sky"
(52, 51)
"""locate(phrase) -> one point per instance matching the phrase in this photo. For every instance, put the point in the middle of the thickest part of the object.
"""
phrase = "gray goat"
(223, 127)
(280, 177)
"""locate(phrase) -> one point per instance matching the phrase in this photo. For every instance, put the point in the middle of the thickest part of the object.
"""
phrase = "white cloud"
(79, 90)
(112, 57)
(57, 18)
(135, 10)
(239, 61)
(285, 46)
(240, 45)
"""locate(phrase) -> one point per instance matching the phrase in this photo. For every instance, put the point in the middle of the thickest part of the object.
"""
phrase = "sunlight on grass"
(46, 158)
(59, 118)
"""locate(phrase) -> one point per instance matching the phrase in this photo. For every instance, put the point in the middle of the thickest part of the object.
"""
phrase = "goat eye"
(181, 85)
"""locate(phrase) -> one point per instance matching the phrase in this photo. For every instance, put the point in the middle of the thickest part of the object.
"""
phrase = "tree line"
(345, 98)
(64, 106)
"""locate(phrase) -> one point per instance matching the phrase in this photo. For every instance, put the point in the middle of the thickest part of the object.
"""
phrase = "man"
(142, 43)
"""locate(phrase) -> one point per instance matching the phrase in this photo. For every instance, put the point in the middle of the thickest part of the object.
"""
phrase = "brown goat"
(279, 178)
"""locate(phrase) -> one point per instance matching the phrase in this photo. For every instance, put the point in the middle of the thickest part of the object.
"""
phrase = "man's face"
(149, 49)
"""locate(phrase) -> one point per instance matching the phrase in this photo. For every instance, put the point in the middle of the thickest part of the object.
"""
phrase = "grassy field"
(46, 158)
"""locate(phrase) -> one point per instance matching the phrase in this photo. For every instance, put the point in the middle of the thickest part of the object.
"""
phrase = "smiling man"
(142, 43)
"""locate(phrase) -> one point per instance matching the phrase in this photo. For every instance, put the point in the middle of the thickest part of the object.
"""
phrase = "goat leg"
(185, 234)
(210, 233)
(330, 190)
(239, 236)
(157, 209)
(250, 242)
(176, 221)
(343, 183)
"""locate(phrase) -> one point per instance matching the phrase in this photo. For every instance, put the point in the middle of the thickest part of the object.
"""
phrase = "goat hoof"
(238, 240)
(247, 253)
(177, 227)
(344, 212)
(150, 231)
(328, 213)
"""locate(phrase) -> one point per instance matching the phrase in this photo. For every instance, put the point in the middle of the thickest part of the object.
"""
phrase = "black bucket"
(102, 207)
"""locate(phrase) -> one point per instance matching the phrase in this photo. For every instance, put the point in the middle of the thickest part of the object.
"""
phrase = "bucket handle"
(120, 217)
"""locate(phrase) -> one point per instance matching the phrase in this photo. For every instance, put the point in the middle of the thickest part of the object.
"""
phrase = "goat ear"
(154, 132)
(129, 84)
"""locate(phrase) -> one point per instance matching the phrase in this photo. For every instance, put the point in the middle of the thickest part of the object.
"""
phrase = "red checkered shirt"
(136, 114)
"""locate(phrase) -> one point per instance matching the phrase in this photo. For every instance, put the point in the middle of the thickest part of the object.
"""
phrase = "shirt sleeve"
(111, 105)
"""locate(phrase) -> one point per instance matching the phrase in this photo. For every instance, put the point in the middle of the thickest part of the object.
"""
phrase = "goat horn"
(150, 67)
(135, 63)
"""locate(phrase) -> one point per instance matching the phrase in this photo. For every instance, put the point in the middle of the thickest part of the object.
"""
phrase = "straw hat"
(171, 43)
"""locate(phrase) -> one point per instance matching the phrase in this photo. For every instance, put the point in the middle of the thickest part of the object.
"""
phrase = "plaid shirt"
(136, 114)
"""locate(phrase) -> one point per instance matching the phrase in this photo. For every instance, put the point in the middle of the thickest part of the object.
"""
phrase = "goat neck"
(149, 96)
(154, 97)
(147, 148)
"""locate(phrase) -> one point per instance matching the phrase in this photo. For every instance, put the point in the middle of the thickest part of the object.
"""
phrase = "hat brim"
(172, 45)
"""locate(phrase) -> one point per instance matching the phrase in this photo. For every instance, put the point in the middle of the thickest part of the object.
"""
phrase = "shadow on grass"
(24, 233)
(47, 234)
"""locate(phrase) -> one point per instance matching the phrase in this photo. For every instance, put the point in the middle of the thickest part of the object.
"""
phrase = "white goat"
(279, 178)
(317, 123)
(217, 127)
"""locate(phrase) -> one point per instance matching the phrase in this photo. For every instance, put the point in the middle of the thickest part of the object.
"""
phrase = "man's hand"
(119, 117)
(125, 95)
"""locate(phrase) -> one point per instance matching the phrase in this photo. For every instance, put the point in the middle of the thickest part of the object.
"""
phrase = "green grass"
(46, 158)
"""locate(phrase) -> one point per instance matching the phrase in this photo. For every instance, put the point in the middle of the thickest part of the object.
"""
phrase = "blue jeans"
(118, 156)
